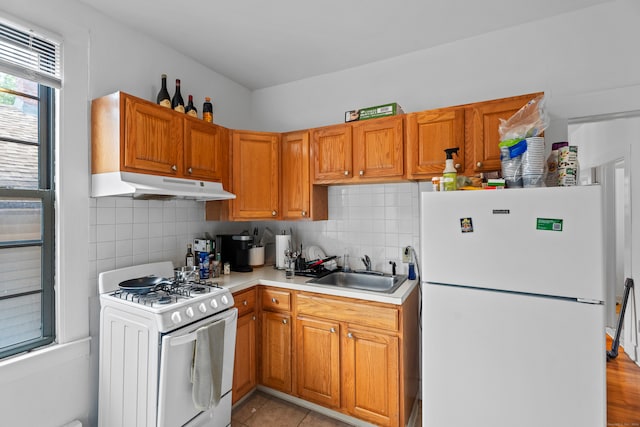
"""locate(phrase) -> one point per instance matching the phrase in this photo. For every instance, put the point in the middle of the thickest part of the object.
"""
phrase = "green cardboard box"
(385, 110)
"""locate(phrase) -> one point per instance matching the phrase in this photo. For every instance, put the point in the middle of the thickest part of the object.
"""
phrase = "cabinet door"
(318, 359)
(482, 129)
(378, 148)
(205, 149)
(255, 175)
(244, 369)
(152, 138)
(295, 175)
(371, 376)
(276, 351)
(428, 134)
(331, 151)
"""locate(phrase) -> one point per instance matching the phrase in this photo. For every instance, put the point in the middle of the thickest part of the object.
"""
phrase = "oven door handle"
(229, 315)
(184, 339)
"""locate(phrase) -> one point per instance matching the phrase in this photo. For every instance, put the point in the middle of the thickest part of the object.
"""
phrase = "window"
(27, 196)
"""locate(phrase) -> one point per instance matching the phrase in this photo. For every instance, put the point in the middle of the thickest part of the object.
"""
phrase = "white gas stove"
(148, 342)
(172, 304)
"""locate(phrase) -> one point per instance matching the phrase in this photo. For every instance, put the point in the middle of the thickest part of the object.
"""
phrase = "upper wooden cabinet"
(331, 151)
(472, 127)
(482, 133)
(256, 169)
(367, 151)
(378, 148)
(300, 199)
(206, 150)
(134, 135)
(429, 133)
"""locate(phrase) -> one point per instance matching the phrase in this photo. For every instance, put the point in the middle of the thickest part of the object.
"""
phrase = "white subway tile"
(106, 233)
(106, 216)
(105, 250)
(140, 231)
(124, 215)
(124, 248)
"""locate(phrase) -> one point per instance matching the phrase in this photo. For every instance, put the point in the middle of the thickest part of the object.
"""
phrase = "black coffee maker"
(234, 249)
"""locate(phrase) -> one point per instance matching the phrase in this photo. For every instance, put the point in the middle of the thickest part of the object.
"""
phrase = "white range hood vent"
(145, 186)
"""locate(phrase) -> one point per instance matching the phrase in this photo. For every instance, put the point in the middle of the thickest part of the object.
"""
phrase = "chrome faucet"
(367, 262)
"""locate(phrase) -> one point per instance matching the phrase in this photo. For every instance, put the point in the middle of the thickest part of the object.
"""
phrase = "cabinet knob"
(361, 173)
(457, 165)
(479, 164)
(350, 335)
(274, 213)
(174, 168)
(253, 317)
(190, 171)
(284, 321)
(304, 213)
(245, 302)
(346, 173)
(273, 300)
(332, 330)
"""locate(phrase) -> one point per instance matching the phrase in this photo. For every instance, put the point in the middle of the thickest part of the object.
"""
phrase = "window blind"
(27, 54)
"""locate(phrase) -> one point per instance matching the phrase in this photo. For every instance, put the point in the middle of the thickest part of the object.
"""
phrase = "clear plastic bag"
(531, 120)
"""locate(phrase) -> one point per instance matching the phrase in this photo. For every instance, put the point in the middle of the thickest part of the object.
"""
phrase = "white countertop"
(269, 276)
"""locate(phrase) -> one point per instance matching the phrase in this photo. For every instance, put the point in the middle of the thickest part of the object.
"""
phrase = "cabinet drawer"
(245, 301)
(278, 300)
(360, 313)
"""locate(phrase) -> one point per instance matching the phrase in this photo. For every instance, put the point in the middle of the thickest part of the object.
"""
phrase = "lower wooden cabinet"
(371, 380)
(353, 356)
(244, 370)
(318, 356)
(276, 351)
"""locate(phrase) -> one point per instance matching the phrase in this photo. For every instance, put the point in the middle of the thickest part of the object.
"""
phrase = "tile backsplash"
(377, 219)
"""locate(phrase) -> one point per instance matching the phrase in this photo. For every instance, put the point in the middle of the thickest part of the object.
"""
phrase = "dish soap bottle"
(450, 174)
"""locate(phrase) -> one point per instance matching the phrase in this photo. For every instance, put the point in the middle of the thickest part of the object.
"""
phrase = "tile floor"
(263, 410)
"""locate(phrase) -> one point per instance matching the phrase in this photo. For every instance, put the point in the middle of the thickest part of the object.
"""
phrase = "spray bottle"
(450, 174)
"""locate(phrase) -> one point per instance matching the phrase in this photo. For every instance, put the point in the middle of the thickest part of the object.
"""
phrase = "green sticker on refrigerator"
(549, 224)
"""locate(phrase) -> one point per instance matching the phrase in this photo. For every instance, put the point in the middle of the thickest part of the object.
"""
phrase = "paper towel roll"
(283, 241)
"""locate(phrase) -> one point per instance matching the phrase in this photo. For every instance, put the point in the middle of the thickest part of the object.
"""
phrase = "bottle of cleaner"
(450, 174)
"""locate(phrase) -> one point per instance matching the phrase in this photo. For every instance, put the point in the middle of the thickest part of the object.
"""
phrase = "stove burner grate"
(167, 293)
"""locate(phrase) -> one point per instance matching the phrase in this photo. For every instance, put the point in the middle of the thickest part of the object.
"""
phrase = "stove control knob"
(176, 318)
(202, 307)
(190, 312)
(214, 303)
(224, 300)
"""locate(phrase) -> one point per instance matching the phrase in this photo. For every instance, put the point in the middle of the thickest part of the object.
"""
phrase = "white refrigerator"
(513, 308)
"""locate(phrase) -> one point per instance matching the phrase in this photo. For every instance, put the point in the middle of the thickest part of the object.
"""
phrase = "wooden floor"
(623, 391)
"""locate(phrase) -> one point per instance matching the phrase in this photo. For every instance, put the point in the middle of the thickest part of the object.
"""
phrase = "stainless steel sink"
(367, 281)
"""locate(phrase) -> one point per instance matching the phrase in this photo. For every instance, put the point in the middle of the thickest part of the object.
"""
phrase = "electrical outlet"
(406, 254)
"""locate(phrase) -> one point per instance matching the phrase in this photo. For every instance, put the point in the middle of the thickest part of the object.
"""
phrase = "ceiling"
(260, 43)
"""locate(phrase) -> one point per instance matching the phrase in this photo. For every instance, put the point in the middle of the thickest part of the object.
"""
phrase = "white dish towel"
(206, 372)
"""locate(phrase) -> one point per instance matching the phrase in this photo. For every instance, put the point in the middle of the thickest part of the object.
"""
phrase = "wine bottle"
(207, 110)
(164, 98)
(177, 103)
(190, 109)
(189, 258)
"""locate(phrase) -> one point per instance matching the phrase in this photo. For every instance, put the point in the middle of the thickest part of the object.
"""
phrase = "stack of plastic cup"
(533, 162)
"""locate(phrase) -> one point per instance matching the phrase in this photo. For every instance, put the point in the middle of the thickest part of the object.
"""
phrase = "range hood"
(145, 186)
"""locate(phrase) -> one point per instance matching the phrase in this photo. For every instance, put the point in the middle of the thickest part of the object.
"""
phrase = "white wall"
(600, 143)
(583, 61)
(99, 57)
